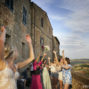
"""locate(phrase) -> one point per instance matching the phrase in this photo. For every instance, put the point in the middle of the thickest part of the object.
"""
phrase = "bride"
(7, 72)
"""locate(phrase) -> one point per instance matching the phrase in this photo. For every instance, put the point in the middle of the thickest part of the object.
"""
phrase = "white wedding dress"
(7, 79)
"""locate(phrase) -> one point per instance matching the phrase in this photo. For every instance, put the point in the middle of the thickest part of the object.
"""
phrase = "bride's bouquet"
(46, 48)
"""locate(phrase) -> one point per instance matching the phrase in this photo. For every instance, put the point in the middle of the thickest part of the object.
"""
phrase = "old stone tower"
(22, 17)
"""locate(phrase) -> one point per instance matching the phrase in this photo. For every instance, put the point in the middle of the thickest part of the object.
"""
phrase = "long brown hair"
(68, 60)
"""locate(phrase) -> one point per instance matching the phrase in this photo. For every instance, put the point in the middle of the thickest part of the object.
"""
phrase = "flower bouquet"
(46, 48)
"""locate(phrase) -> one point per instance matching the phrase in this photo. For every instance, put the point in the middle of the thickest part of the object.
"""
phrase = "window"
(42, 22)
(9, 4)
(41, 41)
(23, 50)
(24, 15)
(8, 39)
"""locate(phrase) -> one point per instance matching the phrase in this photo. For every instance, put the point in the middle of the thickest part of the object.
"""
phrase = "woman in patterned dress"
(66, 71)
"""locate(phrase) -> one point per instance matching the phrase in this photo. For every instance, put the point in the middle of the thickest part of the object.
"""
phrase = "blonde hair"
(8, 52)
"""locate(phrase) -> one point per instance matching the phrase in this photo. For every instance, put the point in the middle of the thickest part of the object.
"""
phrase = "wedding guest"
(36, 75)
(66, 71)
(46, 77)
(52, 67)
(28, 78)
(59, 69)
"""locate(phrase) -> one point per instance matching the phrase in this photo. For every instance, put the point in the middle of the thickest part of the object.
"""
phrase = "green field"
(81, 66)
(79, 61)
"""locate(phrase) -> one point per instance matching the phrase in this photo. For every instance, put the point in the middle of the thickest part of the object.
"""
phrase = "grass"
(84, 65)
(82, 68)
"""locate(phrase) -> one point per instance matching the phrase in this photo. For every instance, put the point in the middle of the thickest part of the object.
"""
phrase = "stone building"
(16, 16)
(42, 30)
(21, 17)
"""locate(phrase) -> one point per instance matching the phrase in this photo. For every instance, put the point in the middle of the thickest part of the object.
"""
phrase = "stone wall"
(38, 32)
(16, 30)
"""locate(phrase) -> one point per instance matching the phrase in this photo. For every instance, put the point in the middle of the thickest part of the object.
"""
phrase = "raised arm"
(43, 57)
(38, 57)
(2, 40)
(63, 57)
(3, 34)
(31, 55)
(66, 67)
(49, 63)
(55, 57)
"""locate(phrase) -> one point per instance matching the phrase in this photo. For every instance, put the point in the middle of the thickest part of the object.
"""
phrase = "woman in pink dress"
(36, 77)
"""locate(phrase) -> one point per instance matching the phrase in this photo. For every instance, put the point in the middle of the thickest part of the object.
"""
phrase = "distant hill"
(79, 61)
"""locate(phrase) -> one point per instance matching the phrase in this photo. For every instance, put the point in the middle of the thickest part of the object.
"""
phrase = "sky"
(70, 22)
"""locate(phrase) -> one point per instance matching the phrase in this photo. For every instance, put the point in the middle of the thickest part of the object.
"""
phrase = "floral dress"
(67, 77)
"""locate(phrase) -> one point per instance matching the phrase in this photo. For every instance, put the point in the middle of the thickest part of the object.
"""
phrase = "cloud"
(75, 4)
(75, 46)
(79, 21)
(56, 17)
(43, 4)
